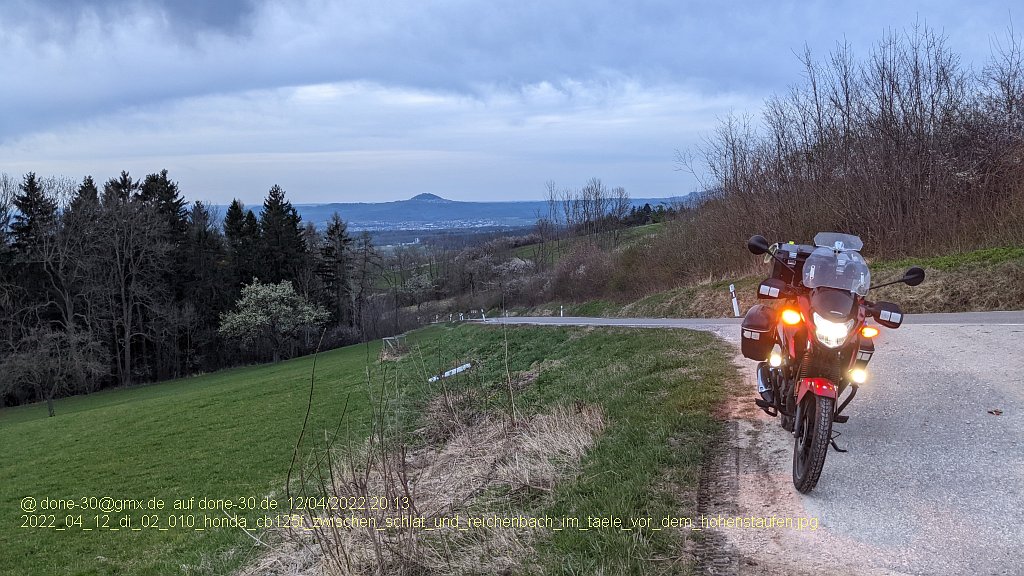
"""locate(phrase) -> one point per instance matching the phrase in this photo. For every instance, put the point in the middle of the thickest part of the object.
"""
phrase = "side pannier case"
(758, 332)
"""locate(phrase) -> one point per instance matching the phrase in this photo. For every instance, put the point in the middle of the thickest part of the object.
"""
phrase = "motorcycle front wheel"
(813, 434)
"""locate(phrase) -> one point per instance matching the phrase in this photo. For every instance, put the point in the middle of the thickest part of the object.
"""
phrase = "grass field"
(230, 435)
(222, 435)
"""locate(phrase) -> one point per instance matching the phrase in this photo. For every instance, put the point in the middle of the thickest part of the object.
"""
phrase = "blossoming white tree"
(270, 313)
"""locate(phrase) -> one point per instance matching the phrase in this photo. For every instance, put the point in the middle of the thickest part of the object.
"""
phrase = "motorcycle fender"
(817, 386)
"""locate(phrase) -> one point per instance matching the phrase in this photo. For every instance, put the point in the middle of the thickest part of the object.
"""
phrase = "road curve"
(933, 482)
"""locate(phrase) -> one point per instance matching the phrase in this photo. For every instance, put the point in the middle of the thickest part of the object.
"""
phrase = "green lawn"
(231, 434)
(222, 435)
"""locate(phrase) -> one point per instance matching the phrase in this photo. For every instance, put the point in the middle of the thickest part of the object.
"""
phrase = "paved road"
(960, 319)
(932, 484)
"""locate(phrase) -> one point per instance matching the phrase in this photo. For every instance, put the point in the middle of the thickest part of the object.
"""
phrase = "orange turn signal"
(869, 331)
(790, 316)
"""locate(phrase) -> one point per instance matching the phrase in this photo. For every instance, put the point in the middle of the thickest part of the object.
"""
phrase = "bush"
(583, 273)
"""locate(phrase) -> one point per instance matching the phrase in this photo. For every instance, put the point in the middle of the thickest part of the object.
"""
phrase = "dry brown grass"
(476, 465)
(970, 288)
(998, 287)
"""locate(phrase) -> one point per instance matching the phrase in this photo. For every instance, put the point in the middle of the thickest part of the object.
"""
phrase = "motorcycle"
(815, 342)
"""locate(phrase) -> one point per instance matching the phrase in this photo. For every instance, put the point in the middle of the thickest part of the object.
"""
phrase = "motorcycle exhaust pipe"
(764, 383)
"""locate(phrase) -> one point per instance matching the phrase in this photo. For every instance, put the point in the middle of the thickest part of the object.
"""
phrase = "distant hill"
(432, 212)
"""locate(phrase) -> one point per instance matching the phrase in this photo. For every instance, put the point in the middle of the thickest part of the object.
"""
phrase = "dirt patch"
(526, 378)
(391, 356)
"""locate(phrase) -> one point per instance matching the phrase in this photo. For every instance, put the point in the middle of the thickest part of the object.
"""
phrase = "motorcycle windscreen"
(838, 241)
(826, 268)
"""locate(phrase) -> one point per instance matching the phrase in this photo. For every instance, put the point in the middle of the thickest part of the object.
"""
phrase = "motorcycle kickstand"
(832, 441)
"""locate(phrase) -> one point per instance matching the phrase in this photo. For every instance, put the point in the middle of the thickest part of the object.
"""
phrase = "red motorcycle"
(814, 344)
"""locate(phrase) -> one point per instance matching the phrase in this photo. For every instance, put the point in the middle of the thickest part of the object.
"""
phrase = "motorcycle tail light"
(790, 317)
(869, 331)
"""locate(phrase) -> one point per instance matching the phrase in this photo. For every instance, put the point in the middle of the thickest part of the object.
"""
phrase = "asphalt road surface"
(933, 482)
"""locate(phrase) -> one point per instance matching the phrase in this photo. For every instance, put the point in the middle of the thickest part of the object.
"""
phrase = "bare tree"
(53, 362)
(129, 259)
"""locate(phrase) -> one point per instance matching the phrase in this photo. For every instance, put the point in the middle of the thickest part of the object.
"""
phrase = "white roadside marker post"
(735, 303)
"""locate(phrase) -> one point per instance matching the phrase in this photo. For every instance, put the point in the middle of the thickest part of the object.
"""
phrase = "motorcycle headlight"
(831, 334)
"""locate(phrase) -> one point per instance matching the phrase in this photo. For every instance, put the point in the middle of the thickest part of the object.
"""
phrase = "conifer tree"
(86, 197)
(336, 266)
(281, 244)
(165, 195)
(242, 235)
(119, 190)
(35, 217)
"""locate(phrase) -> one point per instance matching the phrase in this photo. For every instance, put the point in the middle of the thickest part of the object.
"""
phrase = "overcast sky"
(341, 101)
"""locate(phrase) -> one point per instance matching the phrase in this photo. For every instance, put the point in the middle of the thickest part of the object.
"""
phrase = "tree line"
(125, 282)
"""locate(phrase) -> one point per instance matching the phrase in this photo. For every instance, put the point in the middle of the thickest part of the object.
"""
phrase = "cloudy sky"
(372, 100)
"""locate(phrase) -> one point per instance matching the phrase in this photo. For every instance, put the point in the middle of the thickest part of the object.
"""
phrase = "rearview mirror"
(757, 245)
(888, 314)
(914, 276)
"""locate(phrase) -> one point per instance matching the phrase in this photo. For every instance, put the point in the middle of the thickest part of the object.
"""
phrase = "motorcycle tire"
(811, 445)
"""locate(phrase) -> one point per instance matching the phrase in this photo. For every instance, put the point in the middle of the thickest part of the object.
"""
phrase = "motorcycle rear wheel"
(814, 428)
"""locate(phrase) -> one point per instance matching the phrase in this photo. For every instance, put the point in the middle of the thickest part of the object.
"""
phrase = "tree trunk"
(126, 375)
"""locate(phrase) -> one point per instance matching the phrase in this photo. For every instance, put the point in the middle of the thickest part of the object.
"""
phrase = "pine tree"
(6, 202)
(86, 197)
(36, 215)
(336, 266)
(281, 244)
(119, 190)
(233, 221)
(165, 196)
(80, 218)
(205, 272)
(242, 234)
(205, 250)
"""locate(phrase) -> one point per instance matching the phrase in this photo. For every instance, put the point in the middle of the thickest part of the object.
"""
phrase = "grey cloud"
(475, 98)
(337, 142)
(65, 64)
(224, 15)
